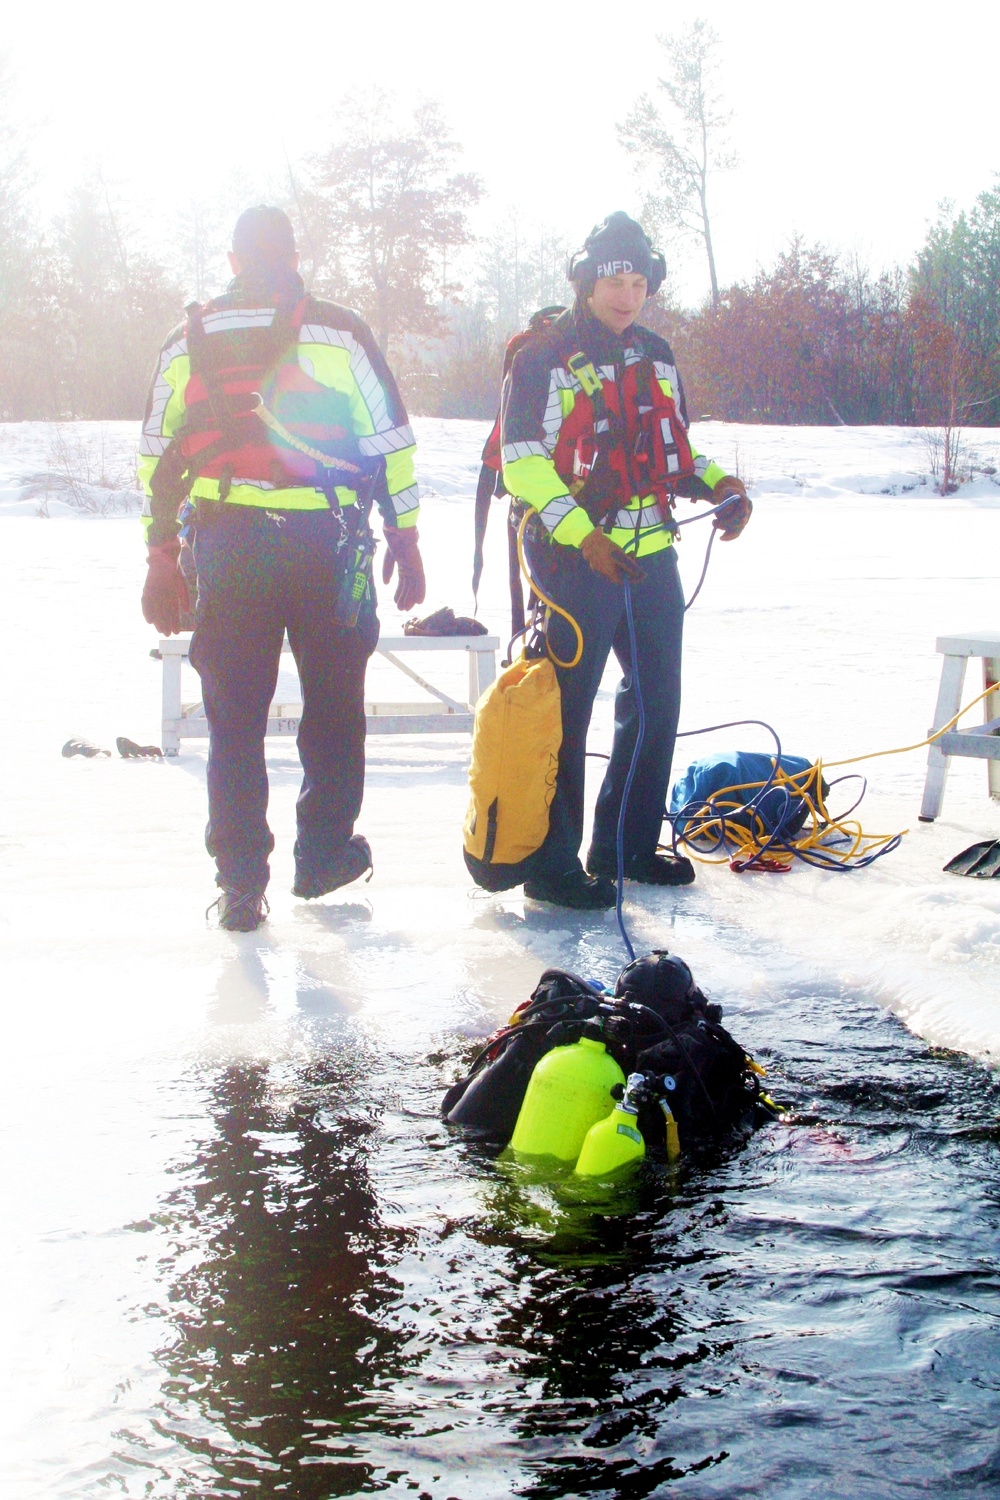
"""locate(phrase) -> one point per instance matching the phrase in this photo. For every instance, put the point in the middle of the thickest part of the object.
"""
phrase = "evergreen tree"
(115, 305)
(955, 298)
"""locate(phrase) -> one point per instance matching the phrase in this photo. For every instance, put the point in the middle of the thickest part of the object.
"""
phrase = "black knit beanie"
(617, 247)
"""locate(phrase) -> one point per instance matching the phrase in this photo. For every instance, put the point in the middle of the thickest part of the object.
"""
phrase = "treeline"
(819, 338)
(382, 219)
(815, 338)
(82, 313)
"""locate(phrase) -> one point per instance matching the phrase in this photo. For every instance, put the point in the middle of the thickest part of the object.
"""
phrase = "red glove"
(733, 517)
(403, 553)
(165, 595)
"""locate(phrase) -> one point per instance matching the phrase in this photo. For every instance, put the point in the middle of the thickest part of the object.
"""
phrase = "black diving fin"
(982, 861)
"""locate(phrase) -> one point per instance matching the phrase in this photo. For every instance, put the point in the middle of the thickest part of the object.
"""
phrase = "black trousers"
(599, 608)
(261, 573)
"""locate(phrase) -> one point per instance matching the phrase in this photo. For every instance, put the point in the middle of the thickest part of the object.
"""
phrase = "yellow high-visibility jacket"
(351, 400)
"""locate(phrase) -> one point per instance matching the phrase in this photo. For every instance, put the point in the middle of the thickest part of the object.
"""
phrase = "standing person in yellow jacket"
(275, 417)
(595, 443)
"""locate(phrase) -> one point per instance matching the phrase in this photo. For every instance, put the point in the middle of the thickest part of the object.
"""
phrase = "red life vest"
(625, 440)
(646, 455)
(242, 358)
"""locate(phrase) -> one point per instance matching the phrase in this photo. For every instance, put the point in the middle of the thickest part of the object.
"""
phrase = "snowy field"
(820, 620)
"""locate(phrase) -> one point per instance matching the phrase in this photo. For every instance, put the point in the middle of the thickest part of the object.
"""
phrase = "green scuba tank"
(614, 1142)
(569, 1091)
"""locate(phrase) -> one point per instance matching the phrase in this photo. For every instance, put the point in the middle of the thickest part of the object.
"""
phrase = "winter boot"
(240, 911)
(655, 869)
(350, 864)
(575, 889)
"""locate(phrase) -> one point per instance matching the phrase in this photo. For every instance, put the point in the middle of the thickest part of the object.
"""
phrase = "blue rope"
(780, 839)
(620, 841)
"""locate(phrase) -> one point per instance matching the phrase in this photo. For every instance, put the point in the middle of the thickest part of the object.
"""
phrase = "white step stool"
(440, 715)
(983, 742)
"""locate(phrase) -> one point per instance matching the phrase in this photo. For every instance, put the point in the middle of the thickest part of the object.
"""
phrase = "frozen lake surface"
(244, 1257)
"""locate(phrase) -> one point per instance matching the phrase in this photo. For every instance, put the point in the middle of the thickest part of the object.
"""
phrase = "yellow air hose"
(550, 604)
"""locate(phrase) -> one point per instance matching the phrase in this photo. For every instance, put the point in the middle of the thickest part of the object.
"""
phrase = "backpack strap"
(485, 490)
(491, 476)
(284, 332)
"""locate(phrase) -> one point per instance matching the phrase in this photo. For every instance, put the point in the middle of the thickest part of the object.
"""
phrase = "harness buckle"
(583, 369)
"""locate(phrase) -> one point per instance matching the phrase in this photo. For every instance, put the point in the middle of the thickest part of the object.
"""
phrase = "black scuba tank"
(490, 1100)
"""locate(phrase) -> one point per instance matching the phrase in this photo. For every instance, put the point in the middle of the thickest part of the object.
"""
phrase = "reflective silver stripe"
(405, 500)
(667, 375)
(513, 451)
(649, 515)
(557, 510)
(391, 441)
(553, 418)
(603, 425)
(361, 368)
(228, 319)
(701, 464)
(262, 484)
(153, 443)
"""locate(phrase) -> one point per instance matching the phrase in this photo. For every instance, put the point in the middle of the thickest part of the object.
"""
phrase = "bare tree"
(385, 210)
(679, 154)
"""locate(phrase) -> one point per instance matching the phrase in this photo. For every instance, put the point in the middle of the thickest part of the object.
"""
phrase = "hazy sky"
(852, 121)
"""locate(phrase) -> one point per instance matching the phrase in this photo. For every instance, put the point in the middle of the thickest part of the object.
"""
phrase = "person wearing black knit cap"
(595, 444)
(275, 417)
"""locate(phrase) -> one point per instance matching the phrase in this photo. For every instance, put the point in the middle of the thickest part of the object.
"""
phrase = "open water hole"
(348, 1299)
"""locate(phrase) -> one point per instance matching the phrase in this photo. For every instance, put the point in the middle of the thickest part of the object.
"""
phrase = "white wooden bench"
(982, 742)
(435, 714)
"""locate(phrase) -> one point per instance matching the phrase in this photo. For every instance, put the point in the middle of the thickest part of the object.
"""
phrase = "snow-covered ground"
(119, 1000)
(821, 620)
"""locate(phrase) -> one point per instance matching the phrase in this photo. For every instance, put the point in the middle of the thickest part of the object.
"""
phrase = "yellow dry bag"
(515, 755)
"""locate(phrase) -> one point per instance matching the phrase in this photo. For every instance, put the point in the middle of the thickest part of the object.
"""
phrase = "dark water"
(359, 1303)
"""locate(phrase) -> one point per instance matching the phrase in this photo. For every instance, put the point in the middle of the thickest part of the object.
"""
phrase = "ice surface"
(119, 1000)
(821, 620)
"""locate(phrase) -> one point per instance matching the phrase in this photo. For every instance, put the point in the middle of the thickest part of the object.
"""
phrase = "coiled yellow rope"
(712, 826)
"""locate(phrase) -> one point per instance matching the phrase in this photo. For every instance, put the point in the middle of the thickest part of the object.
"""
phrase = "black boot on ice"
(240, 912)
(574, 889)
(353, 861)
(655, 869)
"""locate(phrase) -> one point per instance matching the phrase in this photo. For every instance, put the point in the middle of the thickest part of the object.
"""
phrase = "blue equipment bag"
(777, 808)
